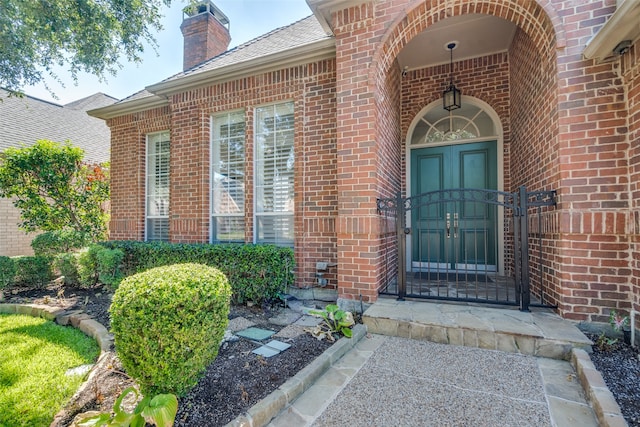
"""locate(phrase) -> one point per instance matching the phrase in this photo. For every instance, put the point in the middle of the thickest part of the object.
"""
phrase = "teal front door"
(459, 235)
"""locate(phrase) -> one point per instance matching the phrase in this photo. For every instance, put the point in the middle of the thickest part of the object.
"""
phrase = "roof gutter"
(127, 107)
(623, 25)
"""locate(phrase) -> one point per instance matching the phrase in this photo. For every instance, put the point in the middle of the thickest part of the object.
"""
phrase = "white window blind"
(157, 194)
(227, 177)
(274, 174)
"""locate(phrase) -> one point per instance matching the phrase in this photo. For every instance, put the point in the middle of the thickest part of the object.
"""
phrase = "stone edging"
(602, 401)
(263, 412)
(78, 319)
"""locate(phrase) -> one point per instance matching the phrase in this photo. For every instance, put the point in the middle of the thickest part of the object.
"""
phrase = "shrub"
(54, 242)
(66, 264)
(7, 271)
(108, 265)
(168, 323)
(88, 266)
(32, 271)
(256, 272)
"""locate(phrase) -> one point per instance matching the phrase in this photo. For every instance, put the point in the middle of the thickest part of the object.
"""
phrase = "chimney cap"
(205, 7)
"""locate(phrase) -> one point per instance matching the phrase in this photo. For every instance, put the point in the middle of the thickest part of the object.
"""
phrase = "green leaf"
(138, 421)
(347, 332)
(122, 419)
(162, 410)
(118, 402)
(97, 420)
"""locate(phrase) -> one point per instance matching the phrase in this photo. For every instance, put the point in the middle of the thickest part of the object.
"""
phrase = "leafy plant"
(7, 271)
(108, 264)
(59, 241)
(160, 410)
(168, 323)
(257, 273)
(617, 322)
(66, 265)
(32, 271)
(335, 321)
(54, 189)
(88, 266)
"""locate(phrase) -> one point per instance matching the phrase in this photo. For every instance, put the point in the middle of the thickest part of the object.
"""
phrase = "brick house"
(294, 138)
(25, 120)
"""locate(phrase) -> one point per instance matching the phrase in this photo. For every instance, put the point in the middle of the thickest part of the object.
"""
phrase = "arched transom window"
(438, 125)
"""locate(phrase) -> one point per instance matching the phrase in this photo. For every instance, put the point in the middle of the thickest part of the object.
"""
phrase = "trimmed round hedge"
(168, 323)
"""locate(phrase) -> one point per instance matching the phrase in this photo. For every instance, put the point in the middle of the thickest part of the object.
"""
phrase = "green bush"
(108, 265)
(88, 266)
(32, 271)
(7, 271)
(256, 272)
(168, 323)
(52, 243)
(100, 264)
(66, 264)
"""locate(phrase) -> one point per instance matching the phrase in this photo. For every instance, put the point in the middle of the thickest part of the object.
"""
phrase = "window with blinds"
(157, 194)
(227, 177)
(274, 174)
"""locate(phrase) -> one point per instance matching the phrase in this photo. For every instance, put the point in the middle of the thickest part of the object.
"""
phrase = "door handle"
(455, 225)
(448, 225)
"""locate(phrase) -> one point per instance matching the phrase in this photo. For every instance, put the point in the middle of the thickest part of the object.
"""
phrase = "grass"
(35, 355)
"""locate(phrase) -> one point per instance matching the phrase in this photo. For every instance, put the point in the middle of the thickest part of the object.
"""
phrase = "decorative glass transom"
(438, 125)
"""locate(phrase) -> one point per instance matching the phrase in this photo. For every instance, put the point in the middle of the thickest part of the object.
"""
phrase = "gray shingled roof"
(26, 120)
(300, 33)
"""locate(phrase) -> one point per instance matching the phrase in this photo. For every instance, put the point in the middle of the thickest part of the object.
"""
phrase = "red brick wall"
(358, 236)
(390, 175)
(312, 89)
(594, 256)
(631, 76)
(485, 78)
(128, 145)
(534, 152)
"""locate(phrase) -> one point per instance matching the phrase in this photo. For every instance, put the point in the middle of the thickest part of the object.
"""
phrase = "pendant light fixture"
(451, 96)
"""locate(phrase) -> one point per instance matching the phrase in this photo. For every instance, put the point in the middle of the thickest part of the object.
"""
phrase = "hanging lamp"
(451, 97)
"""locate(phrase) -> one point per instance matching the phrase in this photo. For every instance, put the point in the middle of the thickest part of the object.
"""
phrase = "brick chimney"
(206, 33)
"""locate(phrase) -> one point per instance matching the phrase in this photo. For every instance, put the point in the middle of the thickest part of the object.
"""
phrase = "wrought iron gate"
(470, 245)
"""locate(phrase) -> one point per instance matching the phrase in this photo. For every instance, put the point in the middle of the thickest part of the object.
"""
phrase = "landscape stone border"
(602, 401)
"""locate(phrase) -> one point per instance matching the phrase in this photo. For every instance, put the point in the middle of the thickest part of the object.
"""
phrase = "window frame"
(212, 215)
(276, 214)
(147, 217)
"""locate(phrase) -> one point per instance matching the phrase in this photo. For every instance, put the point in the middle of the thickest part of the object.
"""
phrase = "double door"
(458, 235)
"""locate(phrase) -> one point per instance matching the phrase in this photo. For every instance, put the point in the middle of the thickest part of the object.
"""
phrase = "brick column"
(594, 254)
(357, 224)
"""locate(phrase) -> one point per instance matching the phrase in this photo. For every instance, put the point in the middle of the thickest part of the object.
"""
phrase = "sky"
(248, 20)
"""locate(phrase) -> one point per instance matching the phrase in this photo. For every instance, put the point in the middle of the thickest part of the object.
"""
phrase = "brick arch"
(539, 20)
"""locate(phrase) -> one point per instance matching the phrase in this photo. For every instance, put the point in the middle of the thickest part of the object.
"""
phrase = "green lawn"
(34, 356)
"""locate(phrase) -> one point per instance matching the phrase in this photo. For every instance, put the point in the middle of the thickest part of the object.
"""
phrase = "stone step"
(538, 333)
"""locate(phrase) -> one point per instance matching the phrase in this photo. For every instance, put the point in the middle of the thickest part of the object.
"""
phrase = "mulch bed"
(234, 382)
(619, 365)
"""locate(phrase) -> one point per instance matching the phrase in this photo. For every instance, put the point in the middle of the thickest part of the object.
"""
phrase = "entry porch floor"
(540, 332)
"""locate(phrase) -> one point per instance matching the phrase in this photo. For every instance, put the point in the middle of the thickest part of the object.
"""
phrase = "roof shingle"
(26, 120)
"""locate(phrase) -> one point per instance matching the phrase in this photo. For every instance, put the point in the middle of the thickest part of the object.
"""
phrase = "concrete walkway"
(444, 364)
(391, 381)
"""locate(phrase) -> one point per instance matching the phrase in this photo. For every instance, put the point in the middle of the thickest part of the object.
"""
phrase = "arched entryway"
(377, 101)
